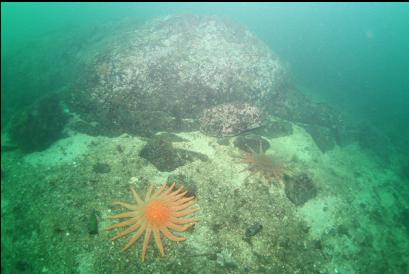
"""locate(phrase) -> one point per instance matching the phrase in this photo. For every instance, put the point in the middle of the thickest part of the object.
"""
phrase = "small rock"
(253, 230)
(92, 224)
(165, 157)
(299, 189)
(251, 142)
(101, 168)
(119, 148)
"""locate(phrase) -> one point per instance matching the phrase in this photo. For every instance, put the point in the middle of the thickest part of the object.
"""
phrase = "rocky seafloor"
(55, 205)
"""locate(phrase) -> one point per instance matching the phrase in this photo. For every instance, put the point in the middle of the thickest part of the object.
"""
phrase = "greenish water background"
(353, 56)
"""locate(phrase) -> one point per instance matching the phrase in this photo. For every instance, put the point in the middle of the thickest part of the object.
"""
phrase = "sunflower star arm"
(180, 195)
(179, 228)
(166, 193)
(126, 232)
(128, 214)
(250, 148)
(146, 242)
(177, 192)
(126, 205)
(184, 200)
(135, 237)
(136, 196)
(180, 206)
(184, 221)
(158, 241)
(159, 192)
(186, 212)
(174, 197)
(125, 223)
(169, 235)
(149, 193)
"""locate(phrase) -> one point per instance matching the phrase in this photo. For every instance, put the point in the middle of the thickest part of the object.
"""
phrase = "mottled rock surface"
(230, 119)
(299, 189)
(179, 65)
(251, 143)
(165, 157)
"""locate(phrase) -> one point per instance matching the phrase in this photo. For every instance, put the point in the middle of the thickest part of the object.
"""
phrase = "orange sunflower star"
(263, 164)
(158, 212)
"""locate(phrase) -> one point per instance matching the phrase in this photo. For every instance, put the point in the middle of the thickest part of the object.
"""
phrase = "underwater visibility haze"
(204, 138)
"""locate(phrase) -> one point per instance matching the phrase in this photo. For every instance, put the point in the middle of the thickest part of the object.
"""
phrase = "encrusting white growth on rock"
(230, 119)
(183, 64)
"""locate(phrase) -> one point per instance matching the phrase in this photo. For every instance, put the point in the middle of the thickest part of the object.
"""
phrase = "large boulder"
(180, 65)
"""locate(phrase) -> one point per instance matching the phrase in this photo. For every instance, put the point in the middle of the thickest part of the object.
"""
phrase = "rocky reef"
(179, 66)
(182, 73)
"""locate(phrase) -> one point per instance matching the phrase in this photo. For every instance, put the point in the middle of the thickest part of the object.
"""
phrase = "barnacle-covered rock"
(230, 119)
(180, 65)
